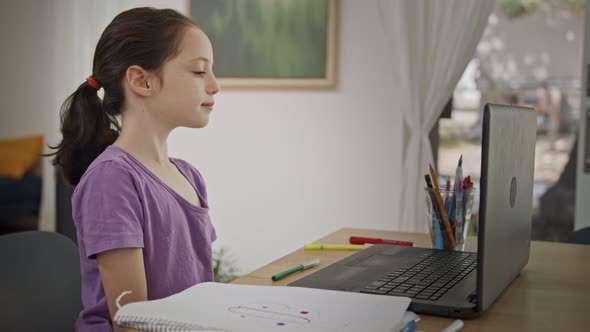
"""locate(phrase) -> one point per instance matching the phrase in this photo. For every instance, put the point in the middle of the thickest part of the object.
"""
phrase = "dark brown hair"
(146, 37)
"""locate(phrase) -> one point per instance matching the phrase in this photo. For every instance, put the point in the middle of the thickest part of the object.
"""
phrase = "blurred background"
(530, 54)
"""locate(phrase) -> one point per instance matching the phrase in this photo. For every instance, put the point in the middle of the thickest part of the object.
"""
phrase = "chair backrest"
(39, 282)
(581, 236)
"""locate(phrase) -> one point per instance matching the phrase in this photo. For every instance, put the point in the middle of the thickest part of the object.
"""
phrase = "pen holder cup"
(459, 217)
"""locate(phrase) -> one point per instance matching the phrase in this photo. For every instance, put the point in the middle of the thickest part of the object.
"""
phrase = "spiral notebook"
(214, 306)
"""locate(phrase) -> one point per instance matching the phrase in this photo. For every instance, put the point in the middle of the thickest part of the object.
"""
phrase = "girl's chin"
(200, 123)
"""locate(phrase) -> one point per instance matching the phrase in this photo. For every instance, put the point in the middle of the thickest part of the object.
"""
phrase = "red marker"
(364, 240)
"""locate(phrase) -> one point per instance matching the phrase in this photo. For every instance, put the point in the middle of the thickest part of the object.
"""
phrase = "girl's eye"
(200, 73)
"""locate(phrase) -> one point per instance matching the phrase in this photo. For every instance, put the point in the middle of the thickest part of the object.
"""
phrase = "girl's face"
(185, 95)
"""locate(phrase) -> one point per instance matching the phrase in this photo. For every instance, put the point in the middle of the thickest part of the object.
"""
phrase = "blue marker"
(459, 207)
(438, 238)
(449, 206)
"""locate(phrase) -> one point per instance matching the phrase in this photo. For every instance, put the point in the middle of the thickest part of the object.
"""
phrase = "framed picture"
(270, 43)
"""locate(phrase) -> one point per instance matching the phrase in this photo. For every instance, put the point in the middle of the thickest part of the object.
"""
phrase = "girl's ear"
(139, 81)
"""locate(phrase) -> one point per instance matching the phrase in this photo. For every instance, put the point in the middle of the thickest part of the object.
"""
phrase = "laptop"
(453, 283)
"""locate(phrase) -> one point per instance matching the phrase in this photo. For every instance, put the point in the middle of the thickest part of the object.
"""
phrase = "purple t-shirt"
(119, 203)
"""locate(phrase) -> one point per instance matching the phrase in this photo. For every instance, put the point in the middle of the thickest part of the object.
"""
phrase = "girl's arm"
(122, 270)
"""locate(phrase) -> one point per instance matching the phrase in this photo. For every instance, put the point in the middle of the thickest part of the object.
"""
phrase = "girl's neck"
(141, 142)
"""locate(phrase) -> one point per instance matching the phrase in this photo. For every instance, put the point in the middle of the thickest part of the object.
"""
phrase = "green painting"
(265, 39)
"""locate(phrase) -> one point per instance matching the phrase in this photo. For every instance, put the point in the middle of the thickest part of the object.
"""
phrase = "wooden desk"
(551, 294)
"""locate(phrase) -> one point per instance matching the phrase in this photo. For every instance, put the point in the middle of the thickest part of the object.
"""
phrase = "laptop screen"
(507, 169)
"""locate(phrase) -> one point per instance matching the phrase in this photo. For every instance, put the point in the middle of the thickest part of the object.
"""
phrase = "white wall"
(27, 87)
(282, 167)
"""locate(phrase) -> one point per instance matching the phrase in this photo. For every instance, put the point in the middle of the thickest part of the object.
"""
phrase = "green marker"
(297, 268)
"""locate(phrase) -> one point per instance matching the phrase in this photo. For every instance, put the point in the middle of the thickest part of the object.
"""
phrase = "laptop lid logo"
(513, 192)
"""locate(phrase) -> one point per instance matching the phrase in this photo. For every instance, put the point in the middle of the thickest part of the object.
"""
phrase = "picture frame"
(270, 44)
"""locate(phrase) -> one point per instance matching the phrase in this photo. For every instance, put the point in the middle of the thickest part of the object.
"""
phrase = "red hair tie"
(93, 83)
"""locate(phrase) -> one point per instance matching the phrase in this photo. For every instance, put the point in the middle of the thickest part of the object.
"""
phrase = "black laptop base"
(438, 282)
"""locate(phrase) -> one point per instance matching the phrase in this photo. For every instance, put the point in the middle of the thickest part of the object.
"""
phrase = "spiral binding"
(152, 324)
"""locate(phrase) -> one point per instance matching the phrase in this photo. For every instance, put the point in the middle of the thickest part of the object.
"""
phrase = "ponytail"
(87, 130)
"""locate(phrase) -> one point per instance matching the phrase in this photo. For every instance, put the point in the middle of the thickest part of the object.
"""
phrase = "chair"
(39, 282)
(581, 236)
(20, 201)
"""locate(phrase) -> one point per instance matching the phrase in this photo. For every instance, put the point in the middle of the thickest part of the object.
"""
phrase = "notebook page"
(226, 307)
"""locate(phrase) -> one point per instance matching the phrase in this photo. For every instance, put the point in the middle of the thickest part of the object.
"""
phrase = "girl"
(141, 217)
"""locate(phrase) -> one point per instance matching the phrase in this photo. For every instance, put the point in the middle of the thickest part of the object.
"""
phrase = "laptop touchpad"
(338, 277)
(388, 261)
(376, 261)
(346, 273)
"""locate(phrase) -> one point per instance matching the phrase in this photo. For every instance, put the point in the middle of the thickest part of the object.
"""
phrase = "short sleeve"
(107, 210)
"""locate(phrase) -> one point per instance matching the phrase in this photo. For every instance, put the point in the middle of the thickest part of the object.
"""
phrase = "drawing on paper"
(279, 315)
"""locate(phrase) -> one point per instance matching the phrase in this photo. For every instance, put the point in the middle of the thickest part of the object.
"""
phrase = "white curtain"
(431, 44)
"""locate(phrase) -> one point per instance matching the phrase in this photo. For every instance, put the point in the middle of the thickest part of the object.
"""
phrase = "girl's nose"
(213, 87)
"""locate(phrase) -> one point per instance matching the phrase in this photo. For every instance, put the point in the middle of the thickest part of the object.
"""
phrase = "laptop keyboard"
(430, 279)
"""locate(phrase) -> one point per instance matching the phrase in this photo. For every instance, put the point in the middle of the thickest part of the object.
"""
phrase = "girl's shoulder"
(111, 165)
